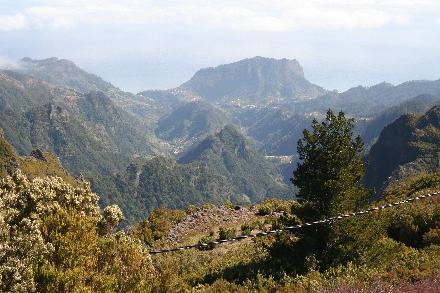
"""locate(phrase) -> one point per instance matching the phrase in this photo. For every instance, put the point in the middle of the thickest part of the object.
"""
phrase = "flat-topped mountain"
(255, 81)
(259, 80)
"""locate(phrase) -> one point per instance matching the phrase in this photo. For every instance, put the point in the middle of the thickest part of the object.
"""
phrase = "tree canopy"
(331, 166)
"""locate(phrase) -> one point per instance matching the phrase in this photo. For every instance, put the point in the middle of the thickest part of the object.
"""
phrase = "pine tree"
(331, 168)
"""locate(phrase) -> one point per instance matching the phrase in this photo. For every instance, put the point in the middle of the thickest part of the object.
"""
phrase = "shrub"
(269, 206)
(432, 237)
(228, 205)
(227, 233)
(206, 239)
(247, 229)
(191, 209)
(208, 206)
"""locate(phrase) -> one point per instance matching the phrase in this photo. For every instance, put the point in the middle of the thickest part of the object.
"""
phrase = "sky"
(139, 45)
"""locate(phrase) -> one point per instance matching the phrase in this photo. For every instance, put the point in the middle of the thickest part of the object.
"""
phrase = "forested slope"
(408, 145)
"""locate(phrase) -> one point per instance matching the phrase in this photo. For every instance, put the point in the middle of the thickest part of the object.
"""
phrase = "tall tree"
(331, 168)
(328, 181)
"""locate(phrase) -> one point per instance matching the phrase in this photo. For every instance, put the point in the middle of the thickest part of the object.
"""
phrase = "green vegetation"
(227, 233)
(92, 135)
(190, 123)
(271, 205)
(362, 252)
(71, 245)
(331, 167)
(228, 154)
(405, 147)
(157, 226)
(54, 239)
(328, 181)
(161, 182)
(21, 93)
(51, 128)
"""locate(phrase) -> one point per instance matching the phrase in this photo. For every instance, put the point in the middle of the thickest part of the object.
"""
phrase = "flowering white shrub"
(50, 228)
(21, 242)
(113, 215)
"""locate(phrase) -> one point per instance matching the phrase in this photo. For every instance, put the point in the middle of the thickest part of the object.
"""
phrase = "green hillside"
(190, 123)
(52, 129)
(21, 93)
(92, 134)
(221, 168)
(36, 164)
(107, 121)
(371, 129)
(227, 153)
(162, 182)
(408, 146)
(87, 131)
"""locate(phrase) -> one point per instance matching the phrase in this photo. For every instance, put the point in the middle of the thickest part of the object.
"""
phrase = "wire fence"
(289, 228)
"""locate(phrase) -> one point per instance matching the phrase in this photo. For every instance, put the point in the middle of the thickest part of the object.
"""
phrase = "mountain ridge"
(227, 153)
(407, 146)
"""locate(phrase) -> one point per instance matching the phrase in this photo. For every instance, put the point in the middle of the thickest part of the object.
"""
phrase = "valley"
(213, 159)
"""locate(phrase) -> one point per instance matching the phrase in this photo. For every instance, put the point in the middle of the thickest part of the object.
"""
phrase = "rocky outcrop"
(204, 220)
(38, 154)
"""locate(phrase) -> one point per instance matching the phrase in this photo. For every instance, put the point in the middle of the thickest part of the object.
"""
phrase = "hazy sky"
(139, 45)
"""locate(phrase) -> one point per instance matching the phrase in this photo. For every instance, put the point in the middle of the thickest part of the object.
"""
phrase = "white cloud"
(338, 19)
(15, 22)
(7, 63)
(255, 15)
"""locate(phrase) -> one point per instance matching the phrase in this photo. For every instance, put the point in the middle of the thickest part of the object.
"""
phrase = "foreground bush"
(54, 239)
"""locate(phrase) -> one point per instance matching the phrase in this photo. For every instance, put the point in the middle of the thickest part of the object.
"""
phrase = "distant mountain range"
(63, 73)
(207, 137)
(87, 131)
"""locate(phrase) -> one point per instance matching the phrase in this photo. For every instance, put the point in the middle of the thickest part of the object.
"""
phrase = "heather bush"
(157, 225)
(51, 241)
(227, 233)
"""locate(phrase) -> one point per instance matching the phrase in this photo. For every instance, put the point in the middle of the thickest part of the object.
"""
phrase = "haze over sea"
(139, 45)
